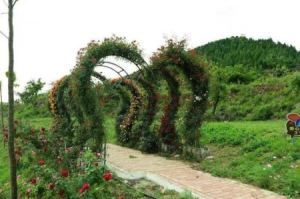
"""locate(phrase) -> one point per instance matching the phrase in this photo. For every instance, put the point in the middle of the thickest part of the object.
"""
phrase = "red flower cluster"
(42, 162)
(84, 187)
(64, 172)
(107, 176)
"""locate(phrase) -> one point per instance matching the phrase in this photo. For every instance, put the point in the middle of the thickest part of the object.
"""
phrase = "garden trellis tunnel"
(75, 104)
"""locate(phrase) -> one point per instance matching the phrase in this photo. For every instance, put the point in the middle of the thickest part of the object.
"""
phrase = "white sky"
(48, 33)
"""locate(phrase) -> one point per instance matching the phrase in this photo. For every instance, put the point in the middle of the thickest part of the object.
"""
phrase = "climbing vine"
(148, 141)
(126, 136)
(75, 96)
(167, 131)
(175, 54)
(85, 98)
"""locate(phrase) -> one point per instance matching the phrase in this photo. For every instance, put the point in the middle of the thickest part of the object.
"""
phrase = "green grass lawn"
(40, 122)
(109, 125)
(258, 153)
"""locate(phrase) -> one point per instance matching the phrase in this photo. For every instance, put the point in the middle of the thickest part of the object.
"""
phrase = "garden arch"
(136, 114)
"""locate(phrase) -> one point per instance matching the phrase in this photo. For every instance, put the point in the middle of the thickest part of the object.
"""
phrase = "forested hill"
(261, 53)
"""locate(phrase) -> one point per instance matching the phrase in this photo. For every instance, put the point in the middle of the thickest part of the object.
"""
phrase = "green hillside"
(252, 53)
(252, 79)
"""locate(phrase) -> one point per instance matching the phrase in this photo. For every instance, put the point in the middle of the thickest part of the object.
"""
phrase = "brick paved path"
(130, 163)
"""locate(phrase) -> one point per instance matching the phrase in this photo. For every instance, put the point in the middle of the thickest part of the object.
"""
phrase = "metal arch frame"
(101, 64)
(140, 68)
(118, 72)
(99, 76)
(120, 67)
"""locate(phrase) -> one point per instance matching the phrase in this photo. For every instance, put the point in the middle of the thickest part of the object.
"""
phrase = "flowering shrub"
(45, 175)
(107, 176)
(84, 188)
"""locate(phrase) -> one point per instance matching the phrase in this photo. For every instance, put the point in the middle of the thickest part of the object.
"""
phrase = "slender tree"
(11, 78)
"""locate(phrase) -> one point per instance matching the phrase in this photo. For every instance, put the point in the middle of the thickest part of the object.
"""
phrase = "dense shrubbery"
(267, 97)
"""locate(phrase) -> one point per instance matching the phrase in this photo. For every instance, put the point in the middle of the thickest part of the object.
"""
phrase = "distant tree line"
(261, 53)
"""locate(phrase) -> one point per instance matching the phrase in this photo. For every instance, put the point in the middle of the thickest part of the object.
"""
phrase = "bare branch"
(3, 34)
(14, 3)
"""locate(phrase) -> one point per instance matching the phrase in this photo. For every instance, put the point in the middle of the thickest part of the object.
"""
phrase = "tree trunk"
(11, 78)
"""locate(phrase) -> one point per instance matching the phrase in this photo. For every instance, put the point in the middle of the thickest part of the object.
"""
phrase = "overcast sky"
(48, 33)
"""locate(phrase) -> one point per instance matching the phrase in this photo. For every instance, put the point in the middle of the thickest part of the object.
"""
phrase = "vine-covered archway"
(138, 96)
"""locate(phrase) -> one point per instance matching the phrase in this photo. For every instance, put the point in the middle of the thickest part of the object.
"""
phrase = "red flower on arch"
(64, 173)
(84, 187)
(42, 162)
(107, 176)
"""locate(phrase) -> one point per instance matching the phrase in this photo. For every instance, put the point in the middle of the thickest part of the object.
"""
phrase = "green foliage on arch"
(175, 54)
(137, 95)
(148, 140)
(81, 84)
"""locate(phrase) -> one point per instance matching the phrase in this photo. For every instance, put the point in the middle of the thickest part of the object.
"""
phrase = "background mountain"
(252, 79)
(262, 53)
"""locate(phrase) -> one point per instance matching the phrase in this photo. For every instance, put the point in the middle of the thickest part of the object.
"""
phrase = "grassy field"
(257, 153)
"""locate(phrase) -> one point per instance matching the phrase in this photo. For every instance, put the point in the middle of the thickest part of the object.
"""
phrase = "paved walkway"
(132, 164)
